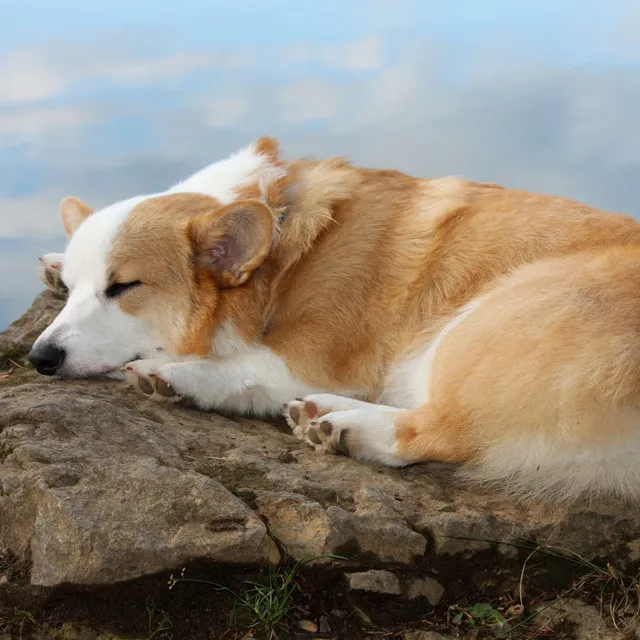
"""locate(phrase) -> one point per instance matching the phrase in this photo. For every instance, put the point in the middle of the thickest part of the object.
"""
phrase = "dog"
(390, 318)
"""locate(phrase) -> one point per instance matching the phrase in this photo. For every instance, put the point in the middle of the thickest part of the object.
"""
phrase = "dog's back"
(400, 256)
(503, 322)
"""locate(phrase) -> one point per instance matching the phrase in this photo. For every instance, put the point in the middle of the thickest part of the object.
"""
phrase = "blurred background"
(108, 100)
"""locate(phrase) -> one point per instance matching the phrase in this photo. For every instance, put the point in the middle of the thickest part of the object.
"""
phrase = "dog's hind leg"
(392, 436)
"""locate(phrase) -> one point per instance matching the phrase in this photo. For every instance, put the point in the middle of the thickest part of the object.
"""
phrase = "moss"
(14, 352)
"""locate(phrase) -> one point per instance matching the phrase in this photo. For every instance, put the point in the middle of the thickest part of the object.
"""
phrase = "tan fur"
(366, 266)
(557, 333)
(358, 242)
(398, 258)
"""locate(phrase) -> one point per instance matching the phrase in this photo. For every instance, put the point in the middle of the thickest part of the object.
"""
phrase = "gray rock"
(69, 631)
(634, 550)
(427, 588)
(16, 340)
(140, 519)
(588, 621)
(98, 484)
(323, 625)
(374, 581)
(308, 529)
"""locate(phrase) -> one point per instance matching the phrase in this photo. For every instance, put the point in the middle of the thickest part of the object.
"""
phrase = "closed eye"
(118, 288)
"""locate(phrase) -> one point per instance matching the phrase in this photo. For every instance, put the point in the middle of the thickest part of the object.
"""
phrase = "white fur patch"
(371, 433)
(221, 179)
(255, 381)
(86, 256)
(409, 382)
(96, 335)
(369, 428)
(226, 341)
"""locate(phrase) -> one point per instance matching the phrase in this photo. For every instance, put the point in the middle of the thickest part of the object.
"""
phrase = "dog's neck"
(306, 212)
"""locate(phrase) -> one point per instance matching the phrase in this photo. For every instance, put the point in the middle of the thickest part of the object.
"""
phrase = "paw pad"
(305, 419)
(145, 385)
(325, 428)
(165, 389)
(294, 414)
(150, 383)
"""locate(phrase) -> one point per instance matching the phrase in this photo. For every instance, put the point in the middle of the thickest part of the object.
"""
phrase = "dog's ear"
(73, 213)
(230, 243)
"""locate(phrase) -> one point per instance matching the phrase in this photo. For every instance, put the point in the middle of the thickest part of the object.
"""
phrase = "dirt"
(203, 611)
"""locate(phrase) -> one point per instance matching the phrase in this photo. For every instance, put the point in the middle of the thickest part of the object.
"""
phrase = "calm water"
(104, 101)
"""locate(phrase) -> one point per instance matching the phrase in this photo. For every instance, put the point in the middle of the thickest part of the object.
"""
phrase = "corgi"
(390, 318)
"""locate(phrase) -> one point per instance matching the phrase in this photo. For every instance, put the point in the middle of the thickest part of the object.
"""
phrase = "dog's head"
(146, 274)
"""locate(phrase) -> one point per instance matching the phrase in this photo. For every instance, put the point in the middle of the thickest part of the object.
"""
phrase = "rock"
(94, 492)
(301, 525)
(427, 588)
(323, 625)
(178, 516)
(308, 625)
(98, 484)
(362, 616)
(587, 620)
(69, 631)
(425, 635)
(308, 529)
(374, 581)
(16, 340)
(634, 550)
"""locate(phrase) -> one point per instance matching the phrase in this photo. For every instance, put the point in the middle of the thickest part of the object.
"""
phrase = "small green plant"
(22, 618)
(481, 614)
(158, 621)
(260, 605)
(266, 604)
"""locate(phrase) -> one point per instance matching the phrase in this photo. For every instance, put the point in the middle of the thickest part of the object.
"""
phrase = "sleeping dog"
(390, 318)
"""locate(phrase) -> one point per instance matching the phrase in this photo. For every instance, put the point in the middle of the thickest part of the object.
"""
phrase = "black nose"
(46, 358)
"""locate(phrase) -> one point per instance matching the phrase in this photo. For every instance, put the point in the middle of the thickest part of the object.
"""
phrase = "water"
(104, 101)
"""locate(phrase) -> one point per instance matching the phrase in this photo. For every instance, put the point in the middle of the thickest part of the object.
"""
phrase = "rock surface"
(99, 485)
(427, 588)
(374, 581)
(587, 622)
(16, 340)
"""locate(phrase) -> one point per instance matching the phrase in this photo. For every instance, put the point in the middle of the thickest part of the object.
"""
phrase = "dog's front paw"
(50, 273)
(306, 417)
(152, 377)
(298, 415)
